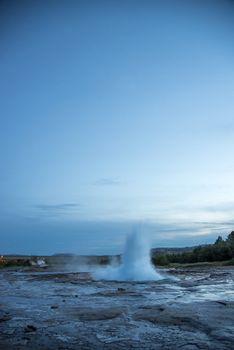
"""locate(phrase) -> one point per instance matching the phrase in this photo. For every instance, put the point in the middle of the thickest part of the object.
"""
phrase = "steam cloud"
(136, 264)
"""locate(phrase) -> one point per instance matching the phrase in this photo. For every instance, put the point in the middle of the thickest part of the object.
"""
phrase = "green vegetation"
(12, 262)
(221, 250)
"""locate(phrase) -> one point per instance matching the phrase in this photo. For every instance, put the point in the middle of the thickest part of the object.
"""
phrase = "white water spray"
(136, 264)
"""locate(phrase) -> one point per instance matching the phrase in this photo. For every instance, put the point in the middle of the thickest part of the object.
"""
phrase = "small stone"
(30, 328)
(95, 314)
(221, 302)
(5, 318)
(161, 308)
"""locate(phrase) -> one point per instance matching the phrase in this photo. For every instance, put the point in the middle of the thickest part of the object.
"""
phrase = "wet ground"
(61, 310)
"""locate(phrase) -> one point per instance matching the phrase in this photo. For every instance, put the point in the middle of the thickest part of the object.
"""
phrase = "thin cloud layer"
(56, 207)
(107, 182)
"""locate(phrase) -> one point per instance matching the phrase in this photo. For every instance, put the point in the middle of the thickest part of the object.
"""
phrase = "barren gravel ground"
(57, 310)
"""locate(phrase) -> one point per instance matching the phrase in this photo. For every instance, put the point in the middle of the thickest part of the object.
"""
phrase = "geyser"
(136, 263)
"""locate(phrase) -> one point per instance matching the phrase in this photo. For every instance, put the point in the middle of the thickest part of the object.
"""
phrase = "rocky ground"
(62, 310)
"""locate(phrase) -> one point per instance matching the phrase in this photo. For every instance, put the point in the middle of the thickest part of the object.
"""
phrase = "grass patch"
(229, 262)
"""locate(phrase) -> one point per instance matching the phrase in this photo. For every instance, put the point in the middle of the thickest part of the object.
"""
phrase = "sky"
(115, 115)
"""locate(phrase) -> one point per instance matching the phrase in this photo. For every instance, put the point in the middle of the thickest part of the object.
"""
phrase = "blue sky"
(115, 113)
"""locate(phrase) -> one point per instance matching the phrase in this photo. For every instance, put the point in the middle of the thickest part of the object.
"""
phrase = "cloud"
(56, 207)
(230, 222)
(107, 182)
(220, 207)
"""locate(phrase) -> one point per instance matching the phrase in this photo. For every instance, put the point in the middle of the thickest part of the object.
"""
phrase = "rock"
(221, 302)
(223, 334)
(169, 316)
(5, 317)
(95, 314)
(30, 328)
(190, 346)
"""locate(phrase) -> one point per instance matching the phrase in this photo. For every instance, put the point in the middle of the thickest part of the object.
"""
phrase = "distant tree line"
(221, 250)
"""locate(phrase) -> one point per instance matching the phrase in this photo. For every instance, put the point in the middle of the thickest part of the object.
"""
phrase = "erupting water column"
(136, 263)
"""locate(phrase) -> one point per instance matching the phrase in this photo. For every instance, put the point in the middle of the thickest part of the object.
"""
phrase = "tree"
(219, 240)
(230, 242)
(230, 238)
(221, 250)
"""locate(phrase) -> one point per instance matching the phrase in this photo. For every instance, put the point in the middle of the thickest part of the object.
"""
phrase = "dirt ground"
(43, 309)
